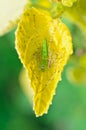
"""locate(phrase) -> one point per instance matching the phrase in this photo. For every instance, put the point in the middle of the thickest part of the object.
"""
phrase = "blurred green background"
(68, 110)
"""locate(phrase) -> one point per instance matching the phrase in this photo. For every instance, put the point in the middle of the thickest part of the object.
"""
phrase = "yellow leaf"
(44, 3)
(68, 3)
(34, 27)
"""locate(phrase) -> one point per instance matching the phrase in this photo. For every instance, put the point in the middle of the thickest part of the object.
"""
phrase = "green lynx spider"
(44, 55)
